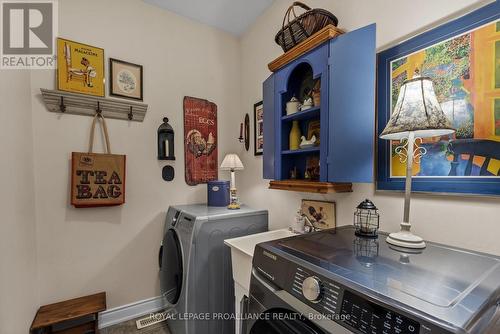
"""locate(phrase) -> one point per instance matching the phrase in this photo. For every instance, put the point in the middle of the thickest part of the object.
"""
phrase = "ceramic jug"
(295, 136)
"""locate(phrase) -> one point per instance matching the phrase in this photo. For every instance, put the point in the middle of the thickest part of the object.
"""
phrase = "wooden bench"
(79, 315)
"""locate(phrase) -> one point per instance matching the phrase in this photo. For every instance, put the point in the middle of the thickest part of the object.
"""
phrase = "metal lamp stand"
(404, 238)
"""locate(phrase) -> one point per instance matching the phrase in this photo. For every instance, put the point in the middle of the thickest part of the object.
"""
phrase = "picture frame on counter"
(258, 128)
(125, 79)
(321, 214)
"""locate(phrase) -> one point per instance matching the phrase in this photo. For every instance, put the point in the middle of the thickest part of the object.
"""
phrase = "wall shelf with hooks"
(79, 104)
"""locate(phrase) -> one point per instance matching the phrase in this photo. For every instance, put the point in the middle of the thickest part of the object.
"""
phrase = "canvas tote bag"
(97, 179)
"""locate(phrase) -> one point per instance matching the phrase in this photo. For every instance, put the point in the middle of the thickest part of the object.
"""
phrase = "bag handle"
(100, 117)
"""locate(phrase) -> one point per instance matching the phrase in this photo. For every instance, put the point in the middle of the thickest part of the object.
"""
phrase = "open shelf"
(314, 149)
(302, 115)
(311, 186)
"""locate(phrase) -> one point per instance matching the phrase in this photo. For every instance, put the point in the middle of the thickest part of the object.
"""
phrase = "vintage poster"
(200, 140)
(80, 68)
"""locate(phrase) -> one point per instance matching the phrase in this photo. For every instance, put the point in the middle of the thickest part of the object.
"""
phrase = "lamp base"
(405, 238)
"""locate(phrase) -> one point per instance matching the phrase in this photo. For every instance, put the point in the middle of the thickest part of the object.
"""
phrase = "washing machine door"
(283, 321)
(171, 266)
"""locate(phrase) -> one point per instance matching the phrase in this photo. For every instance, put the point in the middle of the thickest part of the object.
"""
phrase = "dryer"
(195, 265)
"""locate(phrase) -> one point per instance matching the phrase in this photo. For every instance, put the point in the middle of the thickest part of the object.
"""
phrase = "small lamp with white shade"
(232, 163)
(417, 115)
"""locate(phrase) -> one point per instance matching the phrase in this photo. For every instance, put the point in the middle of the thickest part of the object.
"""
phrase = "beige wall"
(81, 251)
(466, 222)
(18, 267)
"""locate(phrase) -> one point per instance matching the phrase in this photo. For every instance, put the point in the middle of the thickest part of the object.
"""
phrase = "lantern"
(165, 141)
(366, 219)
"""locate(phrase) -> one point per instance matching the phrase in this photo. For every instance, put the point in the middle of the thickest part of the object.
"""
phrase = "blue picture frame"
(449, 185)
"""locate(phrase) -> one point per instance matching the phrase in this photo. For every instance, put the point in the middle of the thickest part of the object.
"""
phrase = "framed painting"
(80, 68)
(258, 128)
(125, 79)
(320, 213)
(462, 57)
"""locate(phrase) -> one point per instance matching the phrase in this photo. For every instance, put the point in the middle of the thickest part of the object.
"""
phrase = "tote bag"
(97, 179)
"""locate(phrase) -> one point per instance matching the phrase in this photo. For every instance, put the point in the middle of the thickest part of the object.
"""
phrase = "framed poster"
(258, 128)
(200, 141)
(462, 57)
(320, 213)
(80, 68)
(125, 79)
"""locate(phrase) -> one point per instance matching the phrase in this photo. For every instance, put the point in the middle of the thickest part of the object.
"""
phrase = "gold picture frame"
(80, 68)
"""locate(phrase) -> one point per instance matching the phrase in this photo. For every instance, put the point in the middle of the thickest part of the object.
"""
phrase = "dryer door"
(283, 321)
(171, 266)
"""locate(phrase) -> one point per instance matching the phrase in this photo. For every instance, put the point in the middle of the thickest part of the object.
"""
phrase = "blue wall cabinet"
(344, 69)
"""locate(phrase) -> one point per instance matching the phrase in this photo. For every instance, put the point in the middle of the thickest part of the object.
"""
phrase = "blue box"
(218, 193)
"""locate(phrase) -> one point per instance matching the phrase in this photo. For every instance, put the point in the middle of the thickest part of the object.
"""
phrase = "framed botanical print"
(462, 58)
(258, 128)
(80, 68)
(320, 213)
(125, 79)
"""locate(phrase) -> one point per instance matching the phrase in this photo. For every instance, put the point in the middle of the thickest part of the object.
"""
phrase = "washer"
(195, 265)
(336, 282)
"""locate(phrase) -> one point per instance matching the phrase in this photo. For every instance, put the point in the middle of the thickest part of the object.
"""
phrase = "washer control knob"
(311, 289)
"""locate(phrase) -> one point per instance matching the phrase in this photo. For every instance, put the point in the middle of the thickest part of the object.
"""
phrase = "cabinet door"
(351, 121)
(269, 107)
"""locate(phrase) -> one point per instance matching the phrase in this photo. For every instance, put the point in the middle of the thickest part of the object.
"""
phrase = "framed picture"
(125, 79)
(462, 57)
(80, 68)
(320, 213)
(258, 128)
(313, 129)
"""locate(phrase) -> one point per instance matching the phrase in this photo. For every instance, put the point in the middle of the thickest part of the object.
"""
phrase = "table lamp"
(417, 115)
(232, 162)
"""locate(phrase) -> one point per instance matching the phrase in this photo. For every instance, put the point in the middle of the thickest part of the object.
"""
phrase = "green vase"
(295, 136)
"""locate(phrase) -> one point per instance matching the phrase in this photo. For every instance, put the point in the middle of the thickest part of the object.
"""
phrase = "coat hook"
(130, 114)
(62, 107)
(98, 110)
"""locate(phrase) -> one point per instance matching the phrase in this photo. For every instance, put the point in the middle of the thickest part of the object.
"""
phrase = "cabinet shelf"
(301, 115)
(311, 186)
(314, 149)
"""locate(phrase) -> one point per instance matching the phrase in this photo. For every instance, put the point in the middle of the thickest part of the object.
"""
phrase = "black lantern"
(366, 219)
(165, 141)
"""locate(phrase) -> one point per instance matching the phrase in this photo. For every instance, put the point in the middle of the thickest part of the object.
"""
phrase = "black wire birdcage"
(366, 219)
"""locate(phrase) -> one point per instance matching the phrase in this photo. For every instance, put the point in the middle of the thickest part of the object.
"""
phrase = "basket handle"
(291, 10)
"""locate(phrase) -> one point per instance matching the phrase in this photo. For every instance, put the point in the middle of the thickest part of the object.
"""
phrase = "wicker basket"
(302, 26)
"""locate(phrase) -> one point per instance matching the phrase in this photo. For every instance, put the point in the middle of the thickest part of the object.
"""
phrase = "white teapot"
(292, 106)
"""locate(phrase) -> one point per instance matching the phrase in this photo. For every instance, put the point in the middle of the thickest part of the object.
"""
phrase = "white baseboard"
(130, 311)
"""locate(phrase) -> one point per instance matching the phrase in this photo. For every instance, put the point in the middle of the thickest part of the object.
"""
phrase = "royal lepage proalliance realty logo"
(28, 34)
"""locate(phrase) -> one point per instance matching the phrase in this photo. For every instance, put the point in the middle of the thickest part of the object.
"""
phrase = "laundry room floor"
(129, 327)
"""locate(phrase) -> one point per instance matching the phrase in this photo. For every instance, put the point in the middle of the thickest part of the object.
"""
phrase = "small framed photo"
(125, 79)
(258, 128)
(320, 213)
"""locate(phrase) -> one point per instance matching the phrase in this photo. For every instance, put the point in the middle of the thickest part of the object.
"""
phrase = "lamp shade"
(231, 162)
(417, 110)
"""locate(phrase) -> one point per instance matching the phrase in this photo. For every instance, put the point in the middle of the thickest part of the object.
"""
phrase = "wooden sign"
(200, 141)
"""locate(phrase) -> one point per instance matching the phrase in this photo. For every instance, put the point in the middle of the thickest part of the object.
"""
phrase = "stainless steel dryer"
(195, 265)
(335, 282)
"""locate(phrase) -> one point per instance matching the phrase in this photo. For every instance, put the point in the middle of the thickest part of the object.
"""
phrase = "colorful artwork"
(321, 214)
(200, 141)
(466, 74)
(80, 68)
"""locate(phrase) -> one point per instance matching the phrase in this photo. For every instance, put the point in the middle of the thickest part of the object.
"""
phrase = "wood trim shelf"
(318, 38)
(311, 186)
(300, 115)
(80, 104)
